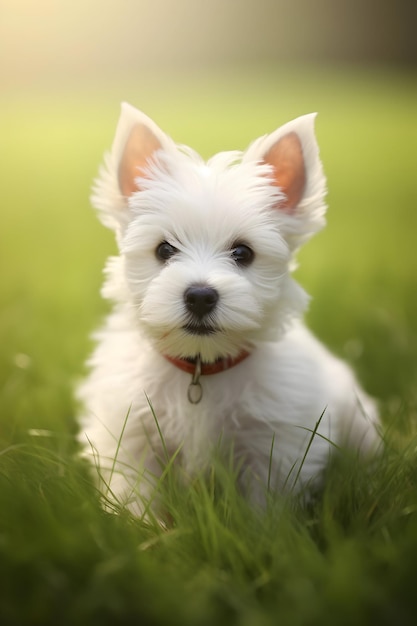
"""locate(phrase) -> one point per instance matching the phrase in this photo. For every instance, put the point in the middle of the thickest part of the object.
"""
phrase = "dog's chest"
(199, 428)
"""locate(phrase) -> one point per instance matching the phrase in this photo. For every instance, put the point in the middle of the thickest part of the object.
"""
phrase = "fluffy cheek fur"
(248, 296)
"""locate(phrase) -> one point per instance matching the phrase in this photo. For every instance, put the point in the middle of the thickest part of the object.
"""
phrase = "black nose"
(200, 300)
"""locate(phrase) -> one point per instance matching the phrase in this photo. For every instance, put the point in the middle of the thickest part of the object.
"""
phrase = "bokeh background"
(55, 40)
(214, 75)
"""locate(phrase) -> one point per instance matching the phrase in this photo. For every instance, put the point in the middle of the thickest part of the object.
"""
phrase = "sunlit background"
(55, 41)
(214, 75)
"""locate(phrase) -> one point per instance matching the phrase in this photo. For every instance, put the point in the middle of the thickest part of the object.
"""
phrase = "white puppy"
(206, 342)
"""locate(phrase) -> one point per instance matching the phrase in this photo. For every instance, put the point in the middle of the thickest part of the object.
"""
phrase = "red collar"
(215, 367)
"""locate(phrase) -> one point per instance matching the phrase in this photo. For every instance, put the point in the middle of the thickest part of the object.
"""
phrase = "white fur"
(288, 381)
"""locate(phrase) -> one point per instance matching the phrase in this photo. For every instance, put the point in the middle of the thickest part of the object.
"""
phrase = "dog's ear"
(292, 154)
(288, 169)
(137, 139)
(136, 157)
(136, 143)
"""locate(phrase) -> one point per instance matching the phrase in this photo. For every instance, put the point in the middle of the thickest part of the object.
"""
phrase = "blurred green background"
(214, 75)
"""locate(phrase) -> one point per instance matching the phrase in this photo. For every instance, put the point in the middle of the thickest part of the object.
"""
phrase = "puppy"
(206, 341)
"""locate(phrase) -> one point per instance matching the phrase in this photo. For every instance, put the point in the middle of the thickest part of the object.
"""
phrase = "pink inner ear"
(286, 158)
(138, 151)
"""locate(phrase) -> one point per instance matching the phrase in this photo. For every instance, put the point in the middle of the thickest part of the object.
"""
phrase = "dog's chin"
(202, 330)
(209, 342)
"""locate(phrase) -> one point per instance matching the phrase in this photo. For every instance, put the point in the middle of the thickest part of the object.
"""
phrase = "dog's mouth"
(200, 329)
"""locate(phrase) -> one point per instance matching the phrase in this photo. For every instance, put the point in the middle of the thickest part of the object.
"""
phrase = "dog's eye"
(165, 251)
(242, 254)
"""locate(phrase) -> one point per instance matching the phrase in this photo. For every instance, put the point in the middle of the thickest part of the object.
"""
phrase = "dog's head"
(206, 247)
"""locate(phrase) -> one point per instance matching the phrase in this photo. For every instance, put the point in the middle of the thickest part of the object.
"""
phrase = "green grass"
(352, 556)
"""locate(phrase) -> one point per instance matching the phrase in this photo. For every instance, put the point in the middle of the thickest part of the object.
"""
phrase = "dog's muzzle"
(200, 301)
